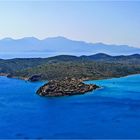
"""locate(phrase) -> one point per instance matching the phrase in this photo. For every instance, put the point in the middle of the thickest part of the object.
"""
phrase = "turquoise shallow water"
(111, 112)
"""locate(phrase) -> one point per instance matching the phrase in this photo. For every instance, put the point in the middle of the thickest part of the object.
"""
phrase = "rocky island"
(66, 87)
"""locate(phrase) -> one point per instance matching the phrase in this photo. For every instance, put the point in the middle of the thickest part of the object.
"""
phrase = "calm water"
(10, 55)
(111, 112)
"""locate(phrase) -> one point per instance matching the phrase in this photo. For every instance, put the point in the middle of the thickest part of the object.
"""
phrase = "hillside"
(84, 67)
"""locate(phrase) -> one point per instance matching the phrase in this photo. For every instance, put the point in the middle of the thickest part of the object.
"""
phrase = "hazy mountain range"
(61, 45)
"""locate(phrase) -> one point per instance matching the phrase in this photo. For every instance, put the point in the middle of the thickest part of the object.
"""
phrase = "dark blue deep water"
(111, 112)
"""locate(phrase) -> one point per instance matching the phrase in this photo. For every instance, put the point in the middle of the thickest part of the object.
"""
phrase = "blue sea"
(110, 112)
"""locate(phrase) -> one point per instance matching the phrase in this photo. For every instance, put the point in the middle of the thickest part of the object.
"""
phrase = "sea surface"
(110, 112)
(11, 55)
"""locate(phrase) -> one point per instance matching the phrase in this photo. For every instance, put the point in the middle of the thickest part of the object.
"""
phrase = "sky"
(110, 22)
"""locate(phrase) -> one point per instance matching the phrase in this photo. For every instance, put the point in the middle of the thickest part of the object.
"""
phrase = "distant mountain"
(61, 45)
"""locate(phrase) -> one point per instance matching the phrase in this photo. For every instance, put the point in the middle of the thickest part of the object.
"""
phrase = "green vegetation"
(85, 67)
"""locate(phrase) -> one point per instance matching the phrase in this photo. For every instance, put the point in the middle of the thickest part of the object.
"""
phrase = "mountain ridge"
(63, 45)
(97, 66)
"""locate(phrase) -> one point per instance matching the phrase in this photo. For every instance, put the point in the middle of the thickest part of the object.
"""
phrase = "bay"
(110, 112)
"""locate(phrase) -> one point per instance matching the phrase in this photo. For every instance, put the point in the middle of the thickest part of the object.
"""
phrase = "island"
(65, 87)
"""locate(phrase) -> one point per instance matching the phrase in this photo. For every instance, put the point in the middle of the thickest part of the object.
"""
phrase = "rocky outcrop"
(66, 87)
(35, 78)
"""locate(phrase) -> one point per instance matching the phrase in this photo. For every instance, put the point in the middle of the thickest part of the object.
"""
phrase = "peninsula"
(66, 73)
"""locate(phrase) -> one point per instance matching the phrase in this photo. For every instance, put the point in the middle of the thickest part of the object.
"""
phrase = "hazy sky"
(92, 21)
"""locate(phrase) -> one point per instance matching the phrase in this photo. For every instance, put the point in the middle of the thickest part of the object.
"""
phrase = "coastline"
(57, 94)
(83, 79)
(112, 77)
(14, 77)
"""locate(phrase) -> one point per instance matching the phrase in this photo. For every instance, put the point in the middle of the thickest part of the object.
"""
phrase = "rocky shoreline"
(66, 87)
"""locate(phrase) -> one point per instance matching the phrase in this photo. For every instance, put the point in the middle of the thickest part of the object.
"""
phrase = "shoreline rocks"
(34, 78)
(66, 87)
